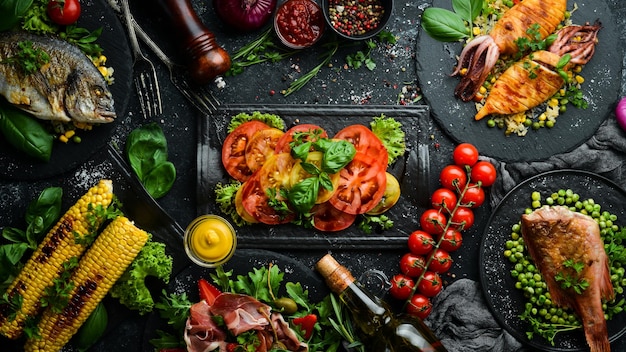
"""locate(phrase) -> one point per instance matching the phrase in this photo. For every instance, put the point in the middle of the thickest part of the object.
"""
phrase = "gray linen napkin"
(461, 319)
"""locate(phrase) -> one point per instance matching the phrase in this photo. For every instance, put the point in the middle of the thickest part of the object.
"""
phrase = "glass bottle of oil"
(380, 329)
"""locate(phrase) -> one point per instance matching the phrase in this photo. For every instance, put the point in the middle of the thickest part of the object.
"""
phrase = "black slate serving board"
(15, 165)
(436, 60)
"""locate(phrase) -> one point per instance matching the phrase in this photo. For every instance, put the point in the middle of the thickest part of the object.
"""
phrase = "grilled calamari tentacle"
(480, 57)
(578, 41)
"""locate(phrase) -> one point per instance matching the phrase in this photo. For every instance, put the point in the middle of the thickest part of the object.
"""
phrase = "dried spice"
(355, 17)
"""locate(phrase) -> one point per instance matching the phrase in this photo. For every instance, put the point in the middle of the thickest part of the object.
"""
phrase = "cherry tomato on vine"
(431, 284)
(63, 12)
(465, 154)
(420, 242)
(463, 218)
(483, 172)
(412, 265)
(433, 221)
(419, 306)
(442, 261)
(444, 198)
(401, 286)
(453, 177)
(452, 240)
(474, 196)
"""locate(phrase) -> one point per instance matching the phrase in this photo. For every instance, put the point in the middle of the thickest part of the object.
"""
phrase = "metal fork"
(200, 96)
(145, 77)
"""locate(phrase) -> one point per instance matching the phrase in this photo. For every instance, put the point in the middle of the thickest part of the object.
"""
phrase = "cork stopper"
(337, 276)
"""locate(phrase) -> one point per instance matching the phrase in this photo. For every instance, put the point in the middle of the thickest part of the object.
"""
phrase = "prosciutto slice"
(286, 335)
(241, 313)
(201, 333)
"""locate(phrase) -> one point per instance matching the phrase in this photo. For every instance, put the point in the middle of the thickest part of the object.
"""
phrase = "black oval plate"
(436, 60)
(242, 262)
(505, 301)
(16, 165)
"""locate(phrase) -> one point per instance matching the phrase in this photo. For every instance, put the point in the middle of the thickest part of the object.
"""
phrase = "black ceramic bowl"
(353, 19)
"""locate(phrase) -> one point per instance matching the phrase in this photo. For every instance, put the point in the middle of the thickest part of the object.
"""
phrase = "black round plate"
(505, 301)
(242, 262)
(18, 166)
(436, 60)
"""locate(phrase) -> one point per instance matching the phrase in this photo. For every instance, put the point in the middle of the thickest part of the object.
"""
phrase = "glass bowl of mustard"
(210, 241)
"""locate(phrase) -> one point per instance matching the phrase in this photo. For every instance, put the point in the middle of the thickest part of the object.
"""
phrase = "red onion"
(245, 15)
(620, 113)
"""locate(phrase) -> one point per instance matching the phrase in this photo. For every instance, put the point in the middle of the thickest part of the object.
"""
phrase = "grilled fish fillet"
(69, 87)
(554, 235)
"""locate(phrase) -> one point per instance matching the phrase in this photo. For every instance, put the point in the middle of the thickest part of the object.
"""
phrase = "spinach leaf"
(444, 25)
(146, 150)
(25, 133)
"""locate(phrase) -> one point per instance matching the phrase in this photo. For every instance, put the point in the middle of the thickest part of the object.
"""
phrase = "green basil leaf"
(160, 180)
(326, 182)
(301, 151)
(11, 11)
(310, 168)
(25, 133)
(444, 25)
(146, 147)
(47, 206)
(14, 234)
(303, 194)
(468, 10)
(33, 232)
(564, 60)
(13, 252)
(337, 155)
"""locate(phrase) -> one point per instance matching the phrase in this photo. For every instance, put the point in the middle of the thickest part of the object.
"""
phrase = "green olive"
(286, 305)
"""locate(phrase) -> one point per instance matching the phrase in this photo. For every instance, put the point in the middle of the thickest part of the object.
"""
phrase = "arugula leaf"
(298, 294)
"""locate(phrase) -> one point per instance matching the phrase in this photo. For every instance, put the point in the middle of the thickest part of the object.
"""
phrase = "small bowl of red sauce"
(299, 23)
(357, 19)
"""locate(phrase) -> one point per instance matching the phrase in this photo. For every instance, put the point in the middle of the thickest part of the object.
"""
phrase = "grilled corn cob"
(46, 263)
(103, 263)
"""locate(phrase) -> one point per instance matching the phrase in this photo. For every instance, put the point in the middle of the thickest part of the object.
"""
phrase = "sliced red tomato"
(261, 146)
(240, 209)
(328, 218)
(256, 202)
(362, 185)
(208, 292)
(365, 141)
(283, 143)
(307, 324)
(234, 149)
(276, 171)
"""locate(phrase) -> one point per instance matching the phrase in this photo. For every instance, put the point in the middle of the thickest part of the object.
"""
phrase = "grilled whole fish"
(557, 238)
(68, 87)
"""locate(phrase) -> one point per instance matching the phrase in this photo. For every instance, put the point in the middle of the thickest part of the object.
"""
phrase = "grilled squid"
(534, 79)
(480, 55)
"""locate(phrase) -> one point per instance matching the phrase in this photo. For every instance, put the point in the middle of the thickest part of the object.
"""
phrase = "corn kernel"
(553, 102)
(562, 91)
(493, 80)
(69, 133)
(63, 139)
(476, 30)
(482, 90)
(580, 79)
(463, 71)
(578, 69)
(542, 117)
(103, 70)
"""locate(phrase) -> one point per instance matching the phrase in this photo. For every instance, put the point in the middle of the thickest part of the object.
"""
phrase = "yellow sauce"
(211, 239)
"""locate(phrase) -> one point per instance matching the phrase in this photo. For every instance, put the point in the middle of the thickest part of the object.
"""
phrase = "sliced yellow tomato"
(240, 209)
(261, 146)
(390, 197)
(298, 173)
(276, 170)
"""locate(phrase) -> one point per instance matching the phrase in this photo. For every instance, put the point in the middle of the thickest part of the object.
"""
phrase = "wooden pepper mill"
(206, 59)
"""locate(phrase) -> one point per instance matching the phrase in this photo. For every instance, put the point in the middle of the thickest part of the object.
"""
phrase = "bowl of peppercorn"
(357, 19)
